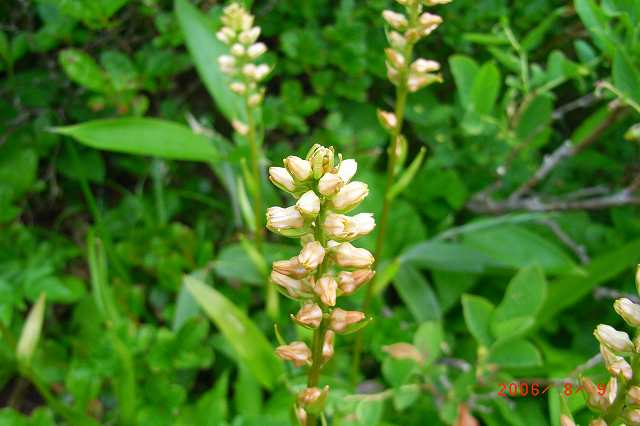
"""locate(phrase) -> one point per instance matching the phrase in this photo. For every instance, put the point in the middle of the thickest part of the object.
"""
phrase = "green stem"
(258, 212)
(400, 106)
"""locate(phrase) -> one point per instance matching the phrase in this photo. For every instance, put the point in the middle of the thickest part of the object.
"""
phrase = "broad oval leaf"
(205, 49)
(517, 353)
(416, 293)
(251, 346)
(477, 313)
(446, 256)
(143, 136)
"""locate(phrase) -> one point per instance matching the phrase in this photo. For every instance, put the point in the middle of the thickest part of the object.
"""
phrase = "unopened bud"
(327, 345)
(300, 169)
(238, 88)
(424, 65)
(280, 220)
(616, 341)
(31, 331)
(347, 169)
(395, 58)
(350, 196)
(321, 160)
(436, 2)
(595, 400)
(633, 395)
(611, 391)
(240, 127)
(340, 227)
(329, 184)
(227, 64)
(616, 365)
(225, 35)
(313, 399)
(282, 179)
(416, 82)
(249, 70)
(387, 119)
(348, 256)
(237, 50)
(341, 319)
(349, 282)
(628, 310)
(429, 22)
(595, 422)
(291, 268)
(310, 315)
(255, 50)
(255, 99)
(308, 204)
(326, 288)
(301, 415)
(311, 255)
(566, 421)
(396, 40)
(249, 36)
(296, 352)
(638, 279)
(396, 20)
(632, 417)
(294, 288)
(262, 71)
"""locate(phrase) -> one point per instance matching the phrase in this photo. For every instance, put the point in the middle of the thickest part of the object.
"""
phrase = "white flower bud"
(31, 331)
(424, 65)
(296, 352)
(227, 64)
(566, 421)
(311, 256)
(396, 40)
(615, 365)
(595, 422)
(313, 399)
(387, 119)
(632, 416)
(298, 168)
(633, 395)
(395, 58)
(436, 2)
(329, 184)
(308, 204)
(255, 99)
(237, 50)
(638, 279)
(326, 289)
(340, 227)
(429, 22)
(237, 87)
(255, 50)
(348, 256)
(249, 70)
(282, 179)
(225, 35)
(349, 196)
(347, 169)
(310, 315)
(396, 20)
(280, 219)
(349, 282)
(240, 127)
(249, 36)
(341, 319)
(616, 341)
(628, 310)
(295, 288)
(262, 71)
(291, 268)
(327, 346)
(416, 82)
(301, 415)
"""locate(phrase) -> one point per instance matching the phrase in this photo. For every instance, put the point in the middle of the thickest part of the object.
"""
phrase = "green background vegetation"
(494, 278)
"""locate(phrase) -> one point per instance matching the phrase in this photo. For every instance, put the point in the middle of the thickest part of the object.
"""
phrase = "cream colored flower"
(296, 352)
(350, 196)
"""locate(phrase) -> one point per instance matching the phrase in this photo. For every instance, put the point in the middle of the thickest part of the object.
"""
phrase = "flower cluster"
(241, 36)
(406, 30)
(328, 265)
(621, 356)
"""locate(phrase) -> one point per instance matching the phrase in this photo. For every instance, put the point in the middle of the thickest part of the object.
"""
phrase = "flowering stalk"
(239, 33)
(328, 265)
(405, 30)
(619, 401)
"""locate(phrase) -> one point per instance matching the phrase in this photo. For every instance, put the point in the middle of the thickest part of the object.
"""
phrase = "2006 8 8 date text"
(538, 389)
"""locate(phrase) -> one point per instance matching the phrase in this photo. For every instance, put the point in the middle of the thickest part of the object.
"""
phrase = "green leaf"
(121, 71)
(536, 35)
(446, 256)
(100, 288)
(464, 70)
(517, 353)
(516, 247)
(485, 89)
(566, 291)
(428, 339)
(205, 49)
(523, 299)
(416, 293)
(82, 69)
(477, 313)
(626, 76)
(250, 345)
(535, 118)
(143, 136)
(597, 25)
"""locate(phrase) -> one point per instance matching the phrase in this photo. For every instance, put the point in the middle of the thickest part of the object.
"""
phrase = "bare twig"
(606, 293)
(579, 250)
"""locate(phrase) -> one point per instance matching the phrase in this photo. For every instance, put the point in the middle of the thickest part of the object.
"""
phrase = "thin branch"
(606, 293)
(579, 250)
